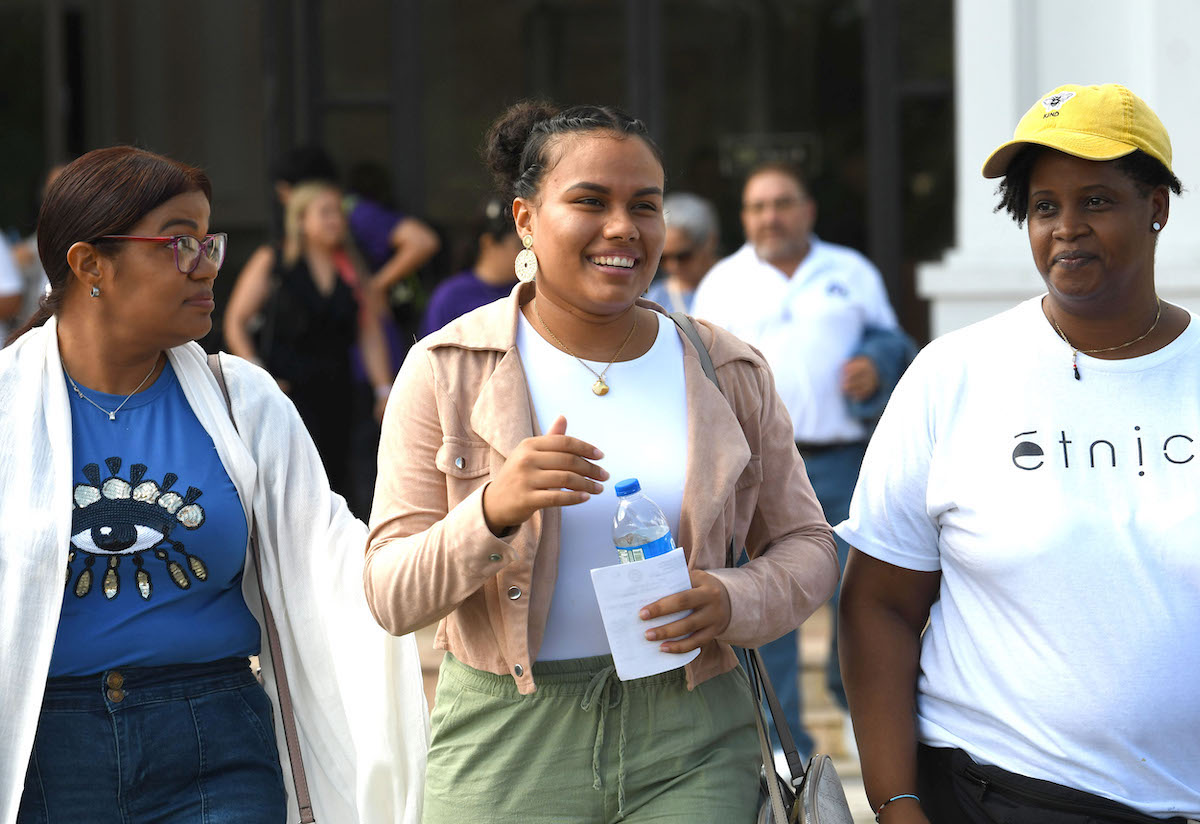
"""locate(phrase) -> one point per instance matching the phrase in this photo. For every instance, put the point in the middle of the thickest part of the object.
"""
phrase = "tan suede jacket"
(461, 405)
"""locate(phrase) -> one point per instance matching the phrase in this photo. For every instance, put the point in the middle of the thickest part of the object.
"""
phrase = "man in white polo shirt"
(820, 315)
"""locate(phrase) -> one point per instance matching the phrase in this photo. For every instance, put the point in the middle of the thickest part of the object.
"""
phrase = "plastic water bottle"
(640, 530)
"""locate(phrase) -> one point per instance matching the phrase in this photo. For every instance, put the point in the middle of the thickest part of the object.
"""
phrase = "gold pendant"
(600, 387)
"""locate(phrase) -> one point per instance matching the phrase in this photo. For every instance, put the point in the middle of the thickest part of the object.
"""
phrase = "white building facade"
(1008, 54)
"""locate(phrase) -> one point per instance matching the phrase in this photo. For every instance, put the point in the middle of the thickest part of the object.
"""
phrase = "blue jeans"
(189, 743)
(833, 473)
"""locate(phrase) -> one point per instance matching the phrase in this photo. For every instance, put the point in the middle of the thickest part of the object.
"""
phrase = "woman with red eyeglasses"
(131, 600)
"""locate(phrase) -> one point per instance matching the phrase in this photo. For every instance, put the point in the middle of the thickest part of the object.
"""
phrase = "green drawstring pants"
(588, 747)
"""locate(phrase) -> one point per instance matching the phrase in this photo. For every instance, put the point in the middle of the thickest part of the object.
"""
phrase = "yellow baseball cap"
(1091, 122)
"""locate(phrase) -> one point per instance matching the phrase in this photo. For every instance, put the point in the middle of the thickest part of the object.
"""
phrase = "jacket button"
(519, 670)
(460, 462)
(116, 696)
(495, 557)
(115, 680)
(514, 593)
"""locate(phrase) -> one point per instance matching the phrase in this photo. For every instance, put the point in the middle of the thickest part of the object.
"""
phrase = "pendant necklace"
(599, 387)
(1075, 352)
(112, 416)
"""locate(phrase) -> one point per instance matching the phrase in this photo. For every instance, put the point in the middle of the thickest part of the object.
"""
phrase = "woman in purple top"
(491, 278)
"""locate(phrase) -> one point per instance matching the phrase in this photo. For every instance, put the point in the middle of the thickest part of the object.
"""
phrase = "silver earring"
(95, 291)
(1156, 226)
(527, 263)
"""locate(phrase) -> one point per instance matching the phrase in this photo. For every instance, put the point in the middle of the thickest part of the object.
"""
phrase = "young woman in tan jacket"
(490, 508)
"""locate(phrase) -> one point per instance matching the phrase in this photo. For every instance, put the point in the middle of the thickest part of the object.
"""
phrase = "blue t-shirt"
(458, 295)
(372, 226)
(158, 539)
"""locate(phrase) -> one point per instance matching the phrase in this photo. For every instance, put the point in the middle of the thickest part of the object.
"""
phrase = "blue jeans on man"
(833, 472)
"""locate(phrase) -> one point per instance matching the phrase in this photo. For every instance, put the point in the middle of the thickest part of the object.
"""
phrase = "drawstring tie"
(604, 692)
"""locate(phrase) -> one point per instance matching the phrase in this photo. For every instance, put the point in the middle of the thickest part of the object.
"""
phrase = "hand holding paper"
(623, 592)
(708, 602)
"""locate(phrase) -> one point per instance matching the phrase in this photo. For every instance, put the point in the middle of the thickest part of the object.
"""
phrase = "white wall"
(1008, 53)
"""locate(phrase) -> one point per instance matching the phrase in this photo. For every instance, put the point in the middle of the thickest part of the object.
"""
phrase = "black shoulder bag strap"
(756, 670)
(288, 715)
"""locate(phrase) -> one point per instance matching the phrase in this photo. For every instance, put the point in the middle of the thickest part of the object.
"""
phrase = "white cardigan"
(359, 703)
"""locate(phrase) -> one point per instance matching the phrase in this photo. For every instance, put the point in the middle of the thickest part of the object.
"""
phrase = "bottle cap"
(628, 487)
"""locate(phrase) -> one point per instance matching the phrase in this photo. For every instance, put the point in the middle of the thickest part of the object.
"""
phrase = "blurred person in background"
(132, 490)
(820, 315)
(303, 164)
(490, 278)
(308, 302)
(689, 251)
(395, 245)
(34, 283)
(11, 290)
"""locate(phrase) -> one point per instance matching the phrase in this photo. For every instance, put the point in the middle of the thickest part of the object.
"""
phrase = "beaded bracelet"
(890, 800)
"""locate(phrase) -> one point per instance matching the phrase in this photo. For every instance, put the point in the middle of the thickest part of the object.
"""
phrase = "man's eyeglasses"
(679, 257)
(188, 249)
(782, 204)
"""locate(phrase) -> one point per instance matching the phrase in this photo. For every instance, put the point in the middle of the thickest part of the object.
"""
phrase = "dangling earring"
(527, 264)
(1156, 226)
(95, 291)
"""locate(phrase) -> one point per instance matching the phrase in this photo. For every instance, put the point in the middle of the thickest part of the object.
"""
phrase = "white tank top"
(641, 427)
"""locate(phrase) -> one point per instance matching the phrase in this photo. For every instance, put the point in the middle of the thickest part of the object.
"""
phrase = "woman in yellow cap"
(1024, 573)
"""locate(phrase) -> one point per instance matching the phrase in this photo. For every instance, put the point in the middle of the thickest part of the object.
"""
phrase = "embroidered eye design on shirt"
(118, 518)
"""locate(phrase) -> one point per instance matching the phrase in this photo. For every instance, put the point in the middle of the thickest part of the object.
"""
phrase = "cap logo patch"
(1053, 103)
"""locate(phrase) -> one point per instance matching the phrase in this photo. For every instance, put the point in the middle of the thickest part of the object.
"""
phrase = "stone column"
(1007, 54)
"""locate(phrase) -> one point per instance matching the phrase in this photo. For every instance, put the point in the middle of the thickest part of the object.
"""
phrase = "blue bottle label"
(659, 546)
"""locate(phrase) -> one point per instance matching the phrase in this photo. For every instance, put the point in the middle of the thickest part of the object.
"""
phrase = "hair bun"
(507, 136)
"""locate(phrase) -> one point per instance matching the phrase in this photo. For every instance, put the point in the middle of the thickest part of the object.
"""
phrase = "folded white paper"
(622, 590)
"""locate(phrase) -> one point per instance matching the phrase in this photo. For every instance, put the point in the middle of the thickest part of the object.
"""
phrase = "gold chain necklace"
(1075, 352)
(112, 416)
(599, 387)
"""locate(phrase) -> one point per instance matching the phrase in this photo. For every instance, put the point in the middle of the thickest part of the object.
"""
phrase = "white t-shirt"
(807, 326)
(1064, 516)
(641, 427)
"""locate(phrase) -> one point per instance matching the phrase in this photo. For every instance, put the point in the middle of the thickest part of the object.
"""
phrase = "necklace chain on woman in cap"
(599, 387)
(1075, 351)
(112, 416)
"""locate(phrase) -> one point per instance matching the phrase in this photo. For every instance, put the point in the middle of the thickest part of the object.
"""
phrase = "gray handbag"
(811, 794)
(816, 795)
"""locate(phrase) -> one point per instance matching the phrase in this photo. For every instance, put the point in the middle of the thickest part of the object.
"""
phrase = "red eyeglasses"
(187, 248)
